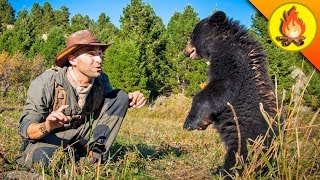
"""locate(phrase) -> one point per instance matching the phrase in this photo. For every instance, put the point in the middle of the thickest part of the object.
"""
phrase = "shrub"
(17, 71)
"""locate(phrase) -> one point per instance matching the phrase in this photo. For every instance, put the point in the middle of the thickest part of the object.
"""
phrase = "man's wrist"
(43, 128)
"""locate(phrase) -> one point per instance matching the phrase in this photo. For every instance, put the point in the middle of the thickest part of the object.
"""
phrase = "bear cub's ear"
(217, 18)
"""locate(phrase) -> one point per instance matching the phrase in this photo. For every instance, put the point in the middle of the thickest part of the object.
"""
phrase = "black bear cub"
(238, 75)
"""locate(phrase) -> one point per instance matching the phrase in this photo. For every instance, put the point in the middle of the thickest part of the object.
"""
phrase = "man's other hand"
(137, 99)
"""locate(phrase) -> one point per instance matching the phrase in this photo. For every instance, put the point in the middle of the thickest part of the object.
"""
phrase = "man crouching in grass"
(92, 114)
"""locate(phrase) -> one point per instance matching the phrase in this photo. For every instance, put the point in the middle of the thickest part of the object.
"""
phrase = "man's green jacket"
(41, 95)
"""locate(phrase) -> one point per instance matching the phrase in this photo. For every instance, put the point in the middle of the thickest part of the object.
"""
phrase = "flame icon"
(292, 28)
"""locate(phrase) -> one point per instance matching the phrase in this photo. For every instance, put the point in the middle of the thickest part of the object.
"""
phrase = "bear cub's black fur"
(238, 75)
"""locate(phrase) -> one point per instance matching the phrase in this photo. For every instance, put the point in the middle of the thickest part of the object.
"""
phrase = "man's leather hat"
(74, 42)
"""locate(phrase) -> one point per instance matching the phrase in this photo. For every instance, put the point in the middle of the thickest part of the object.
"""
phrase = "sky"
(240, 10)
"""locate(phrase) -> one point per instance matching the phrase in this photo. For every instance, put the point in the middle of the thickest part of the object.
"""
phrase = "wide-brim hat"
(74, 42)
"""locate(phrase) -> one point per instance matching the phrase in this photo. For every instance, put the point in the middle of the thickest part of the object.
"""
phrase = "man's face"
(88, 61)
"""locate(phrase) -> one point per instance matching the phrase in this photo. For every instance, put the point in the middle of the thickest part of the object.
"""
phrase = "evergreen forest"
(146, 54)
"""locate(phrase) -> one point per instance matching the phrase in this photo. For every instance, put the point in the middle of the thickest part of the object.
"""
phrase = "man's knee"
(40, 154)
(43, 155)
(123, 99)
(119, 103)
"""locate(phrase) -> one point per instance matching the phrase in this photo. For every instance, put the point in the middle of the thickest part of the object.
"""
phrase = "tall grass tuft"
(293, 154)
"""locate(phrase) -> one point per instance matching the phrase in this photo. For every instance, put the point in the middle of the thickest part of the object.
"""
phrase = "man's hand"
(137, 99)
(57, 118)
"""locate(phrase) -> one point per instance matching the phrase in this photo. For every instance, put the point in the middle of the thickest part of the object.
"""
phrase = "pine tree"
(6, 12)
(6, 15)
(48, 17)
(50, 47)
(103, 20)
(105, 30)
(141, 25)
(79, 22)
(187, 74)
(20, 38)
(5, 40)
(62, 17)
(36, 19)
(36, 46)
(122, 65)
(53, 45)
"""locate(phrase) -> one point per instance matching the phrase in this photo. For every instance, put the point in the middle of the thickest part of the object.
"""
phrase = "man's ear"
(71, 59)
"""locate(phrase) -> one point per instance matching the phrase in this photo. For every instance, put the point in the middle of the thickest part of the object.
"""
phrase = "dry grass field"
(152, 145)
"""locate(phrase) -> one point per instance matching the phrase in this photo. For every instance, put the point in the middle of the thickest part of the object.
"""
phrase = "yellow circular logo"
(292, 27)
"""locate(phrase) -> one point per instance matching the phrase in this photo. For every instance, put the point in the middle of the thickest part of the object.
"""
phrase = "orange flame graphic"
(292, 26)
